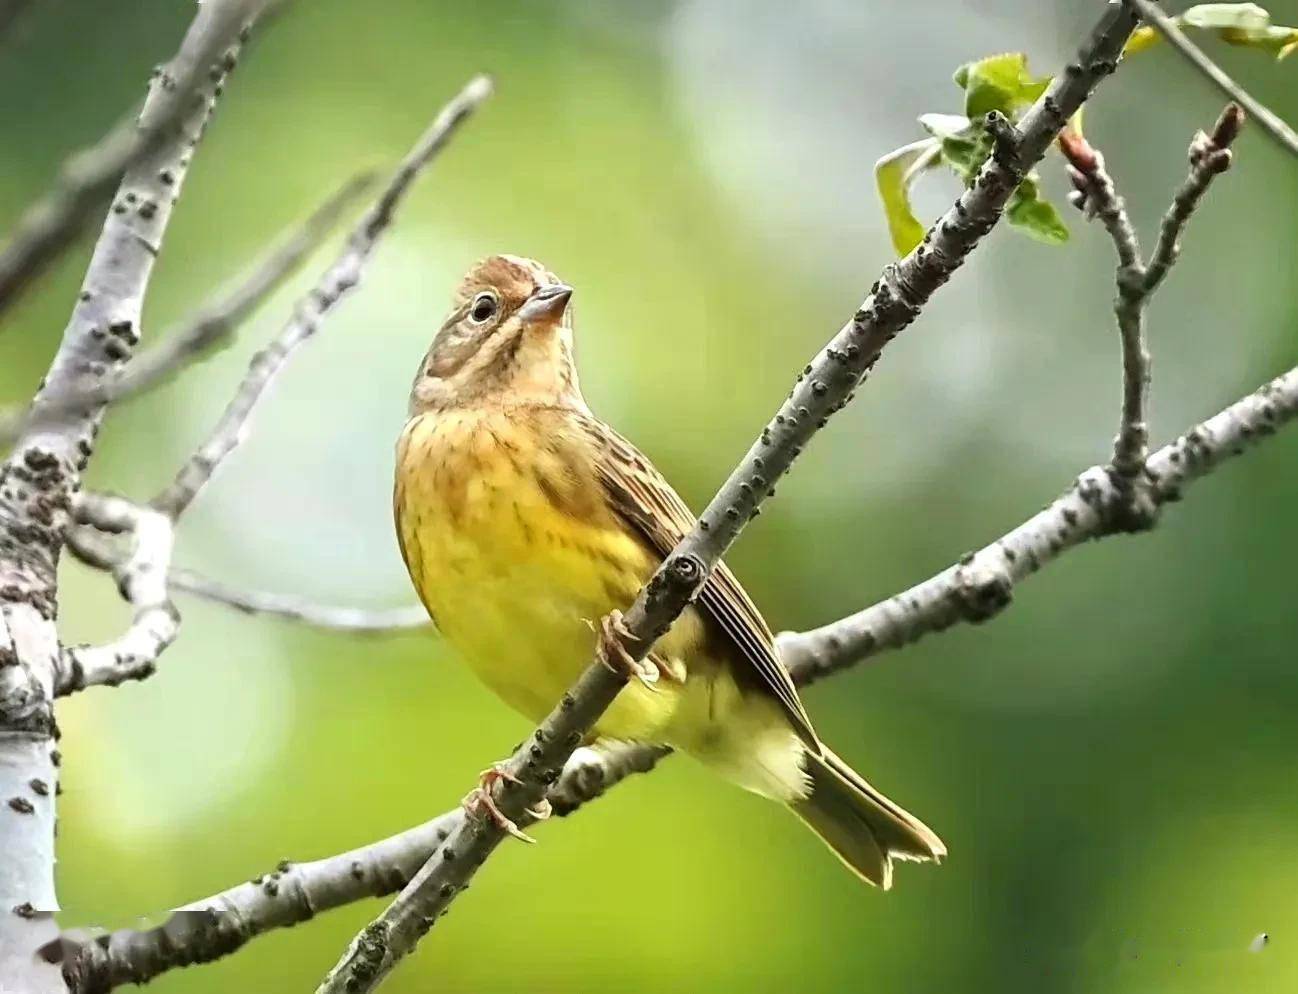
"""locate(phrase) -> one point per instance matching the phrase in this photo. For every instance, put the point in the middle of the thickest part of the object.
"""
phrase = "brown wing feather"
(647, 501)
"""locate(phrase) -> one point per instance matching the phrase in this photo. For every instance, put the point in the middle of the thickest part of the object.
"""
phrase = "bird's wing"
(645, 500)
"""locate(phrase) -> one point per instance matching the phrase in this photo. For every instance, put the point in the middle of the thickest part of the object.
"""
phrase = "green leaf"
(946, 125)
(893, 176)
(1281, 41)
(1212, 16)
(965, 156)
(1028, 212)
(1000, 82)
(1244, 24)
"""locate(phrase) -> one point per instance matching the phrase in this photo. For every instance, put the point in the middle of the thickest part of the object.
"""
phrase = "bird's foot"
(479, 802)
(612, 652)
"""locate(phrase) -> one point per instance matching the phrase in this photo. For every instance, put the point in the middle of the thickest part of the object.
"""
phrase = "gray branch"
(331, 617)
(825, 386)
(41, 475)
(87, 178)
(1168, 28)
(337, 281)
(1095, 193)
(213, 324)
(973, 590)
(979, 586)
(146, 576)
(142, 579)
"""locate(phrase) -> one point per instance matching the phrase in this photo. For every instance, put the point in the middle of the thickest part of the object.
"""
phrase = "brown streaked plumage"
(524, 519)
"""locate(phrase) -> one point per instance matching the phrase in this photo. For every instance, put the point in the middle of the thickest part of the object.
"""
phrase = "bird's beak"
(546, 304)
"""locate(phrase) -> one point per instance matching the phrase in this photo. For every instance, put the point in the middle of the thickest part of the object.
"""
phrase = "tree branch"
(1210, 156)
(39, 478)
(973, 590)
(338, 618)
(296, 892)
(981, 584)
(826, 385)
(1096, 194)
(142, 579)
(1274, 125)
(87, 178)
(215, 321)
(334, 284)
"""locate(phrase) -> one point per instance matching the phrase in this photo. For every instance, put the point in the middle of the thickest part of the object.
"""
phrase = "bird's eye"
(484, 307)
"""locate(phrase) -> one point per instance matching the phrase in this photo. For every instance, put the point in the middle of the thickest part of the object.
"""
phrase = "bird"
(525, 522)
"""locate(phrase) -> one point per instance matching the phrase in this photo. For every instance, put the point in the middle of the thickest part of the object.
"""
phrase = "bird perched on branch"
(524, 520)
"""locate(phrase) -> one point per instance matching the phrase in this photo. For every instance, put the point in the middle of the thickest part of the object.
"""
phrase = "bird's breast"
(512, 547)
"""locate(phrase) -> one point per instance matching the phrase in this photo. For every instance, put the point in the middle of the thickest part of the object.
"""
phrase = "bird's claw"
(479, 803)
(612, 652)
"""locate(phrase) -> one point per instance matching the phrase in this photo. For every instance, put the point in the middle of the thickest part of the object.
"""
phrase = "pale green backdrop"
(1111, 762)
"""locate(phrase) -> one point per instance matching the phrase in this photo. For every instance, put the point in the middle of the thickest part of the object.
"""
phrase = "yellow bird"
(524, 520)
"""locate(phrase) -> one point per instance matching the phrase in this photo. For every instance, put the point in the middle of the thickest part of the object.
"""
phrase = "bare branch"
(1210, 156)
(86, 180)
(825, 387)
(338, 618)
(336, 282)
(215, 321)
(209, 929)
(41, 475)
(982, 583)
(296, 892)
(104, 326)
(1275, 127)
(135, 655)
(1095, 193)
(973, 590)
(142, 580)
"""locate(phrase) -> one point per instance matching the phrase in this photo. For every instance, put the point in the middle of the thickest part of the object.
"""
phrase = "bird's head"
(507, 339)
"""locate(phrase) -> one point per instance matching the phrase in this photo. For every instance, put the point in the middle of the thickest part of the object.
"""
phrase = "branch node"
(981, 591)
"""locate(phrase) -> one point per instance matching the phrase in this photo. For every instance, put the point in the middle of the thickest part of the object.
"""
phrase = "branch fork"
(1136, 280)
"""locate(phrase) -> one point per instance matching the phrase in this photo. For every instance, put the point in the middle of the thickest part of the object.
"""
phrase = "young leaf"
(893, 176)
(1000, 82)
(1038, 218)
(1243, 24)
(1210, 16)
(946, 125)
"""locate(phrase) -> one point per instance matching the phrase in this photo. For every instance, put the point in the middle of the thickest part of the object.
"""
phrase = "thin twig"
(338, 618)
(215, 321)
(86, 180)
(334, 284)
(1210, 155)
(142, 579)
(1096, 194)
(104, 327)
(134, 657)
(1168, 28)
(982, 583)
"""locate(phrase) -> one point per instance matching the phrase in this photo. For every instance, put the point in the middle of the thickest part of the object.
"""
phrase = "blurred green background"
(1111, 762)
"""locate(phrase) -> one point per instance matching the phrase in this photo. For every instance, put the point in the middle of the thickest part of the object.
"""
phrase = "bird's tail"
(865, 829)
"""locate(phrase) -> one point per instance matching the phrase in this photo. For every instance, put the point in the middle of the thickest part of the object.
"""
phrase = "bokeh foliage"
(1111, 762)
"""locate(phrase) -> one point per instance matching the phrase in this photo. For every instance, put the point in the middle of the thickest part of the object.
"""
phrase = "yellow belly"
(516, 555)
(514, 580)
